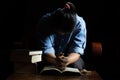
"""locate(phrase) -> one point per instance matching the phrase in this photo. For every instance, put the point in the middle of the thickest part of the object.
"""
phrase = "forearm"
(72, 57)
(51, 58)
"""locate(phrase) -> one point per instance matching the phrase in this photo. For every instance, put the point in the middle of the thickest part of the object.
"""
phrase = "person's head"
(65, 18)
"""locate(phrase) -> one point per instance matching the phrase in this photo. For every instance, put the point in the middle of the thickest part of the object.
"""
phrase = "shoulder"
(45, 20)
(46, 16)
(80, 19)
(49, 14)
(80, 22)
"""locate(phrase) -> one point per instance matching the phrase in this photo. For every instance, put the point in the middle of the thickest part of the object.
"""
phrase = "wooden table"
(26, 71)
(90, 75)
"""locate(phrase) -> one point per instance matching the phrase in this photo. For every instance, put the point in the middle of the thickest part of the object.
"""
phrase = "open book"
(51, 70)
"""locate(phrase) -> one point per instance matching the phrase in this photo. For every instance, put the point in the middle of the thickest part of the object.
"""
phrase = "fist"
(61, 62)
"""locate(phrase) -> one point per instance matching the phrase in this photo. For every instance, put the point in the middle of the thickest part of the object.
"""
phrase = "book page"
(50, 68)
(36, 58)
(54, 70)
(71, 71)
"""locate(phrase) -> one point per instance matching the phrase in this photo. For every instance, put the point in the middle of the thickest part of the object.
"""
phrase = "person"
(62, 37)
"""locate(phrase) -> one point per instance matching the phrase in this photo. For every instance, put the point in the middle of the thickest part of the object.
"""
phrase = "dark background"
(18, 19)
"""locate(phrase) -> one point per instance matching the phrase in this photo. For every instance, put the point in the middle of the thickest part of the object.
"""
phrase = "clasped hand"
(61, 61)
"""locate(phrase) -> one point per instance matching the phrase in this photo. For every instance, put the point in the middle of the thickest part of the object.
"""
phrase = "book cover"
(35, 53)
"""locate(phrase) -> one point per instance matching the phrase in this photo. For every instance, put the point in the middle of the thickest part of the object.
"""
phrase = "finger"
(64, 59)
(60, 54)
(61, 58)
(60, 67)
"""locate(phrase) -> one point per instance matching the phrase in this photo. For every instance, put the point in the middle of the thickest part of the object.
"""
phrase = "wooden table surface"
(90, 75)
(24, 70)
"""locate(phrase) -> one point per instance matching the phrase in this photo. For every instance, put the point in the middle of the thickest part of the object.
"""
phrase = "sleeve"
(45, 39)
(47, 45)
(78, 42)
